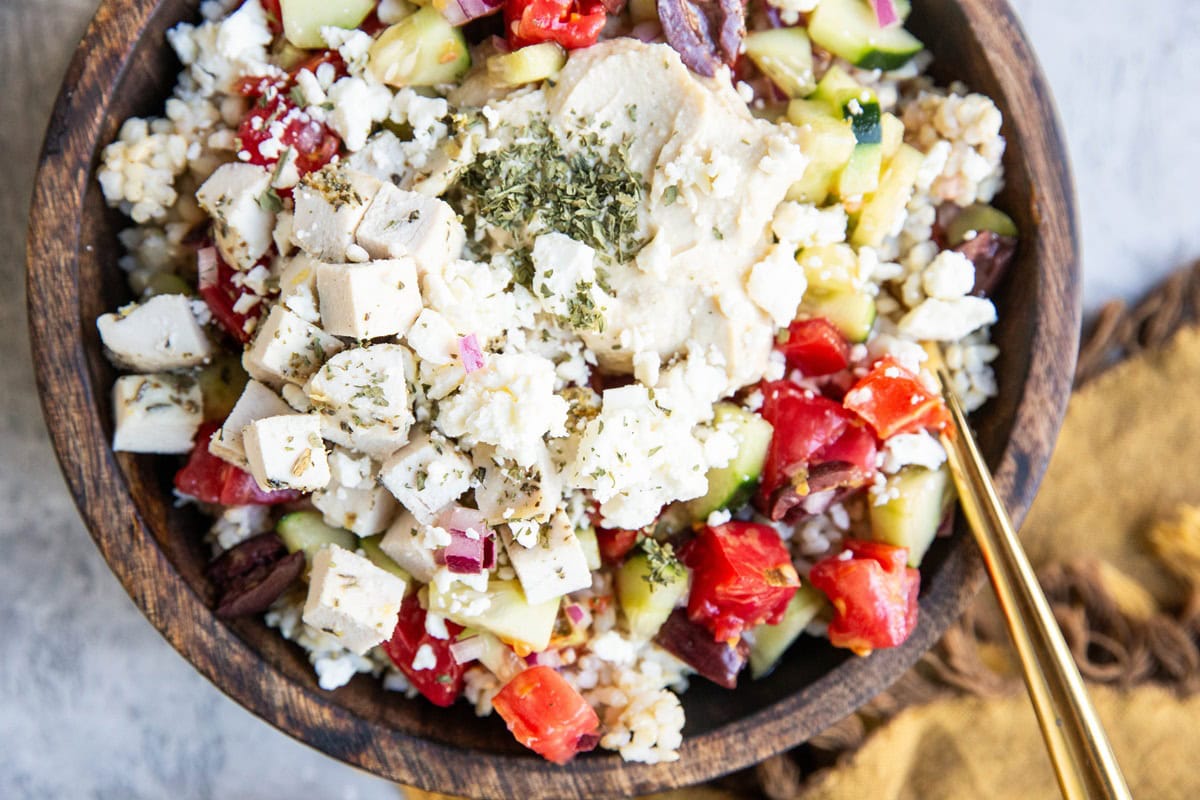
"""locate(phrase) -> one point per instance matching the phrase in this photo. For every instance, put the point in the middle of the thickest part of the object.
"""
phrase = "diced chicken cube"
(427, 475)
(401, 223)
(330, 204)
(509, 492)
(243, 226)
(352, 599)
(298, 288)
(364, 511)
(286, 348)
(286, 452)
(156, 413)
(363, 400)
(257, 402)
(432, 338)
(552, 566)
(159, 334)
(412, 545)
(367, 301)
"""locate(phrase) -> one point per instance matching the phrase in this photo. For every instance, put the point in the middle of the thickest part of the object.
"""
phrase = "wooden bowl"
(124, 67)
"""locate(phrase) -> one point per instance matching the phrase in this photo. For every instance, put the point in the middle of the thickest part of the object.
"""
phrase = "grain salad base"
(153, 171)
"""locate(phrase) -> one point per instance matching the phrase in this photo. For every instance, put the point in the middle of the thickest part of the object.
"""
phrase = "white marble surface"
(93, 703)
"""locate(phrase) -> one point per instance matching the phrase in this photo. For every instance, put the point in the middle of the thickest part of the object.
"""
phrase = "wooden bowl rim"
(92, 472)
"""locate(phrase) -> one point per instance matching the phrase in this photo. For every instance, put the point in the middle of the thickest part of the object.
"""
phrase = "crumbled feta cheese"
(352, 599)
(776, 284)
(351, 470)
(157, 413)
(286, 348)
(646, 366)
(432, 338)
(256, 402)
(298, 287)
(385, 157)
(564, 281)
(159, 334)
(363, 400)
(805, 225)
(357, 106)
(949, 276)
(330, 204)
(919, 448)
(243, 223)
(286, 452)
(947, 320)
(427, 475)
(368, 301)
(473, 298)
(364, 511)
(401, 223)
(509, 403)
(424, 658)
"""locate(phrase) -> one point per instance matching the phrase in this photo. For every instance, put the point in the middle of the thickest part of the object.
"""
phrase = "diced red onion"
(489, 552)
(471, 548)
(470, 353)
(206, 266)
(468, 650)
(500, 44)
(460, 12)
(885, 13)
(576, 613)
(463, 555)
(457, 518)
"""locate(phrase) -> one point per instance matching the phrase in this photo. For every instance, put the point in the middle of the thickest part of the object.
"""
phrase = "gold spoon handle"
(1083, 760)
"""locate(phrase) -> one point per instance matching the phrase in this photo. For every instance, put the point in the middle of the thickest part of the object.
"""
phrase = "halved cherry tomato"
(874, 595)
(804, 422)
(893, 400)
(743, 576)
(815, 347)
(213, 480)
(615, 543)
(443, 682)
(548, 715)
(570, 23)
(280, 122)
(222, 294)
(856, 447)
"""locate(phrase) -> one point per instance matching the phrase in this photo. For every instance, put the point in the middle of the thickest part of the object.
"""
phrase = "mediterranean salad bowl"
(423, 370)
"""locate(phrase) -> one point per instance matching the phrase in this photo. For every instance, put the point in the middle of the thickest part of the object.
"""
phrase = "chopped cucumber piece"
(591, 547)
(837, 88)
(732, 485)
(830, 268)
(848, 28)
(163, 283)
(303, 19)
(221, 383)
(979, 217)
(370, 546)
(507, 614)
(421, 50)
(531, 64)
(918, 499)
(772, 641)
(861, 174)
(881, 211)
(893, 135)
(306, 531)
(827, 140)
(785, 56)
(864, 121)
(648, 588)
(852, 312)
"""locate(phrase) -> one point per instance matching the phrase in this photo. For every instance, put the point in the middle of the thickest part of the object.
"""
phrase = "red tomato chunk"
(893, 400)
(221, 295)
(547, 715)
(211, 480)
(570, 23)
(874, 595)
(815, 347)
(743, 577)
(804, 423)
(443, 682)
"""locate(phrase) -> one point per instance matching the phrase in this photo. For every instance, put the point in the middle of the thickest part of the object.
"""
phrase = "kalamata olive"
(694, 645)
(705, 33)
(991, 253)
(252, 575)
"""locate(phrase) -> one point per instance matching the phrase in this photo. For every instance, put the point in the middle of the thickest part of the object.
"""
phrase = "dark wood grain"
(123, 67)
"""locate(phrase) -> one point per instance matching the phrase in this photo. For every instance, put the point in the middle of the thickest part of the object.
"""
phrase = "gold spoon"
(1082, 757)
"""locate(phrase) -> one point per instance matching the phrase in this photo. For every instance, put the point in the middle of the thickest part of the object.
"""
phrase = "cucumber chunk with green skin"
(772, 641)
(732, 485)
(852, 312)
(979, 217)
(508, 614)
(848, 29)
(893, 135)
(649, 586)
(837, 88)
(370, 547)
(306, 532)
(303, 19)
(827, 140)
(785, 56)
(221, 383)
(881, 211)
(531, 64)
(860, 176)
(865, 121)
(918, 500)
(421, 50)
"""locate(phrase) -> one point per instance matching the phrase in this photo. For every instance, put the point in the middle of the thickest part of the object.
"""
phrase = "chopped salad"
(546, 355)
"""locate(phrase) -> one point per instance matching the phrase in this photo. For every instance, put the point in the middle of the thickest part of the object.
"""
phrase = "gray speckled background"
(93, 703)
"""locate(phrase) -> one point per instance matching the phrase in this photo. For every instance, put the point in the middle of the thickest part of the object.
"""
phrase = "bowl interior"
(157, 549)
